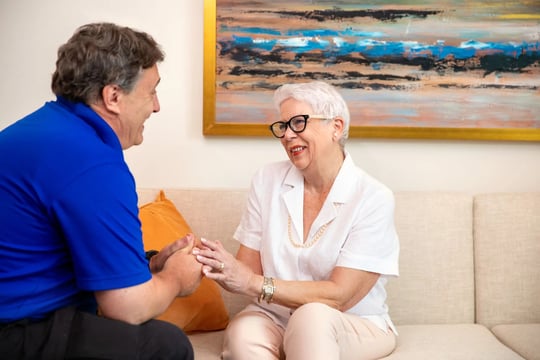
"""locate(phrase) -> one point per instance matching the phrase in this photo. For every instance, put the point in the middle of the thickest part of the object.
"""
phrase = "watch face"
(268, 289)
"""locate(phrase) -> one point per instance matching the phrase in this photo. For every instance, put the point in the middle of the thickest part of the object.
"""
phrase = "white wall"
(175, 154)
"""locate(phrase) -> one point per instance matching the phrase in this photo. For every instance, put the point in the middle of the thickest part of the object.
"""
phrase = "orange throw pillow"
(204, 309)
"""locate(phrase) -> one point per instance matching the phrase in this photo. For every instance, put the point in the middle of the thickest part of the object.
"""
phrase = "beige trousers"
(314, 331)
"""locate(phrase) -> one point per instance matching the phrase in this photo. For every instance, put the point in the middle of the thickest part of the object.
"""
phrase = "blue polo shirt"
(68, 212)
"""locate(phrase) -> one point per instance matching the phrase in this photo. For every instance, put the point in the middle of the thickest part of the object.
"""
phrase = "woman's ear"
(338, 125)
(111, 96)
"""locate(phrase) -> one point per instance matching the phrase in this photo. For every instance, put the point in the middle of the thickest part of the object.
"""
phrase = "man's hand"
(184, 245)
(176, 272)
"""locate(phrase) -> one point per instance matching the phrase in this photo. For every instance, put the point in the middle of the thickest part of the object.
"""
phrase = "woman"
(317, 244)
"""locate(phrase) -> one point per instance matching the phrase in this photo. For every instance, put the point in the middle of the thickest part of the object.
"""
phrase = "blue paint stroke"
(379, 48)
(349, 31)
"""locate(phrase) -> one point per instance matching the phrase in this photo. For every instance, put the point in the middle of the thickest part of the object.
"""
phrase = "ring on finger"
(221, 266)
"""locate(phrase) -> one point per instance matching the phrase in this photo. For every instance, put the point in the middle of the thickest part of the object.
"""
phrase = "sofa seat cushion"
(522, 338)
(449, 341)
(207, 345)
(441, 342)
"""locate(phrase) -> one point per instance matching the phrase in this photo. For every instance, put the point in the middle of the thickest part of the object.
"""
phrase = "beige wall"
(175, 154)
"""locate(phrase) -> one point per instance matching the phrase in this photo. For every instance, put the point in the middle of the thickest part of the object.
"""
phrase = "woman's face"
(309, 146)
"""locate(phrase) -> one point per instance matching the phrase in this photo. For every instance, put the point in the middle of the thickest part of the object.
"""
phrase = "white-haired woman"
(317, 244)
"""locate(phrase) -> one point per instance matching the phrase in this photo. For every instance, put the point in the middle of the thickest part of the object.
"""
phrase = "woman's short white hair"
(323, 98)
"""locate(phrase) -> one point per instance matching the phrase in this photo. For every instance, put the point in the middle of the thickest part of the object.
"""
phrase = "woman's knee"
(311, 321)
(245, 329)
(311, 331)
(251, 335)
(313, 314)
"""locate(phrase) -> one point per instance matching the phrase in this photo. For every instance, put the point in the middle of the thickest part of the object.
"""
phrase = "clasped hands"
(217, 263)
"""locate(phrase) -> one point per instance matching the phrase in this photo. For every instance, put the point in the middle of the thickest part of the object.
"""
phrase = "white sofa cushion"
(507, 258)
(449, 342)
(522, 338)
(207, 345)
(436, 282)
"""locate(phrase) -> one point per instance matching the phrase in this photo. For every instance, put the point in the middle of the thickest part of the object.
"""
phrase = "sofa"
(469, 285)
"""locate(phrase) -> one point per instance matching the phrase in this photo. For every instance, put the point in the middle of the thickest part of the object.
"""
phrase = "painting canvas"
(410, 69)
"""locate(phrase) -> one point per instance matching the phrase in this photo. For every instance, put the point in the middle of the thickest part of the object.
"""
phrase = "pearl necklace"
(310, 243)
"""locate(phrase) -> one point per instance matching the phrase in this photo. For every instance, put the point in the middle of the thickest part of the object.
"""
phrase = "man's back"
(50, 178)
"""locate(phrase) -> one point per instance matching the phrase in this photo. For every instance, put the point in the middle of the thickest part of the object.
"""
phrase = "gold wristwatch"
(268, 289)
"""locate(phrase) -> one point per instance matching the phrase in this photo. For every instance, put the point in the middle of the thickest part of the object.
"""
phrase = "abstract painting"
(449, 69)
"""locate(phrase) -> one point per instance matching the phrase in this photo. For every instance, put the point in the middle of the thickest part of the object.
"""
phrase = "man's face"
(137, 106)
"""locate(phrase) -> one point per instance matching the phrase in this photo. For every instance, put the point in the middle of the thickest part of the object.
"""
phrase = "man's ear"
(111, 95)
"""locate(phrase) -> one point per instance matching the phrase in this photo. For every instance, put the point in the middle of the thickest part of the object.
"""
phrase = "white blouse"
(354, 229)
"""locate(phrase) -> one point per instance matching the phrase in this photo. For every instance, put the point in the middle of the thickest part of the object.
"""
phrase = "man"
(70, 236)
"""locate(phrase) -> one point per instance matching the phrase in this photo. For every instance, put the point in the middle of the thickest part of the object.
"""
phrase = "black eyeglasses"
(297, 124)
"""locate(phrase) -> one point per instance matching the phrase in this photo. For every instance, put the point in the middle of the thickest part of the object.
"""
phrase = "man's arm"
(180, 275)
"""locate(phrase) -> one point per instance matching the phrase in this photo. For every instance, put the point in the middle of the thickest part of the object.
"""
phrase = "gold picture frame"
(225, 117)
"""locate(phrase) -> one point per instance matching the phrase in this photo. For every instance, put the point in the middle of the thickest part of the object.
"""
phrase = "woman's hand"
(225, 269)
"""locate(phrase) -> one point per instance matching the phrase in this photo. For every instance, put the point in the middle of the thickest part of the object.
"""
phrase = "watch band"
(268, 289)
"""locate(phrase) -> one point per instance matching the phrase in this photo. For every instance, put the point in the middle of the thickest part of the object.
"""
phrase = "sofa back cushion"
(436, 282)
(507, 258)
